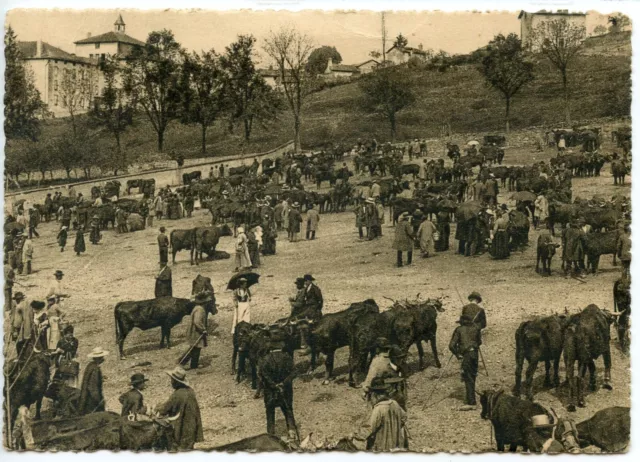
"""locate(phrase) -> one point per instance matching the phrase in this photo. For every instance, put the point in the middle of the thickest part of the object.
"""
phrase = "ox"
(181, 239)
(597, 244)
(28, 381)
(187, 178)
(206, 240)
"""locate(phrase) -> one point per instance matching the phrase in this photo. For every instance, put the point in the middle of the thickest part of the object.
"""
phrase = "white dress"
(242, 310)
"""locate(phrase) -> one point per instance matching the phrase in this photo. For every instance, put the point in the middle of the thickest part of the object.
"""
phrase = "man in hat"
(624, 250)
(372, 219)
(158, 205)
(183, 404)
(465, 343)
(33, 223)
(403, 241)
(221, 170)
(56, 288)
(297, 302)
(197, 333)
(295, 219)
(133, 401)
(163, 282)
(9, 280)
(361, 218)
(491, 190)
(388, 363)
(385, 430)
(22, 323)
(313, 218)
(474, 310)
(94, 234)
(18, 245)
(278, 214)
(572, 248)
(313, 300)
(91, 397)
(163, 246)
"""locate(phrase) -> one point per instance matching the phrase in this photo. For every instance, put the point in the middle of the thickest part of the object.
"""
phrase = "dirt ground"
(347, 270)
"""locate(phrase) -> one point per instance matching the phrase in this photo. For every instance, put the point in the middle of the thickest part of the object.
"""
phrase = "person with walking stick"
(197, 332)
(465, 345)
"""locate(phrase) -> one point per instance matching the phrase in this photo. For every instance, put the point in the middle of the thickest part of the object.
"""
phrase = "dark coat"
(294, 220)
(475, 314)
(188, 426)
(404, 237)
(132, 403)
(313, 301)
(79, 245)
(163, 283)
(91, 398)
(62, 238)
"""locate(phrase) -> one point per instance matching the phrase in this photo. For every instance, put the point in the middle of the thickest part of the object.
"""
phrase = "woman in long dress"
(56, 323)
(500, 245)
(242, 250)
(444, 229)
(62, 238)
(242, 301)
(425, 238)
(79, 246)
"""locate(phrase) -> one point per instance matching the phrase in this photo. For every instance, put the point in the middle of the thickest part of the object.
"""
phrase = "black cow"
(28, 379)
(545, 250)
(181, 239)
(241, 170)
(187, 178)
(206, 240)
(510, 416)
(587, 336)
(539, 340)
(164, 312)
(259, 443)
(410, 169)
(146, 187)
(425, 326)
(597, 244)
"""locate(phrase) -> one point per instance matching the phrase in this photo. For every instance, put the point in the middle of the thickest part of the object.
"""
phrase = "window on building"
(55, 83)
(55, 100)
(97, 46)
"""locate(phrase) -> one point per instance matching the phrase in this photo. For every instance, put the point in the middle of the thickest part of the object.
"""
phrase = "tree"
(290, 50)
(505, 68)
(600, 30)
(619, 22)
(387, 92)
(319, 58)
(115, 110)
(400, 41)
(77, 89)
(375, 54)
(202, 91)
(248, 97)
(68, 151)
(22, 103)
(561, 42)
(151, 79)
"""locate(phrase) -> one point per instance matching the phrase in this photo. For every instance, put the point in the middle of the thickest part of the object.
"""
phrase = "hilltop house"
(271, 76)
(339, 71)
(109, 43)
(398, 55)
(530, 21)
(368, 66)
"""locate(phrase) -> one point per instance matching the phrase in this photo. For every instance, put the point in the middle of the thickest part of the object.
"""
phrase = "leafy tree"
(505, 68)
(77, 88)
(68, 151)
(151, 79)
(319, 58)
(22, 103)
(600, 30)
(375, 54)
(387, 92)
(115, 110)
(561, 42)
(290, 50)
(400, 41)
(202, 90)
(619, 22)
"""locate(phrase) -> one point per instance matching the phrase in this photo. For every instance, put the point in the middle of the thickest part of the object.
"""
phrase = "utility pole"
(384, 41)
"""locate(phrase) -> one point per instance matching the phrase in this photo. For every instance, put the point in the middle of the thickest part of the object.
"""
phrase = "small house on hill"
(530, 21)
(340, 71)
(368, 66)
(402, 55)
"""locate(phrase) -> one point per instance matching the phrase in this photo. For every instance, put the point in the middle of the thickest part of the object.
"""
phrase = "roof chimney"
(329, 66)
(39, 48)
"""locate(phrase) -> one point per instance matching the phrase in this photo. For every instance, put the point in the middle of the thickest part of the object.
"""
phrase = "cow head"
(611, 316)
(488, 400)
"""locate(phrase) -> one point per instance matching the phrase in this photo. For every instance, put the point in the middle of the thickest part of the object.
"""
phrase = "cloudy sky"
(354, 34)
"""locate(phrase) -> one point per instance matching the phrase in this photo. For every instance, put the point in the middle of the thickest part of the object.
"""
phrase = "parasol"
(468, 210)
(473, 143)
(524, 196)
(252, 278)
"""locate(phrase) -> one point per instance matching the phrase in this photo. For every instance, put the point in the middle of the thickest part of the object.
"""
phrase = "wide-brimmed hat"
(308, 277)
(178, 374)
(475, 295)
(63, 227)
(296, 204)
(378, 384)
(18, 296)
(37, 305)
(98, 352)
(138, 378)
(96, 217)
(225, 192)
(58, 273)
(541, 421)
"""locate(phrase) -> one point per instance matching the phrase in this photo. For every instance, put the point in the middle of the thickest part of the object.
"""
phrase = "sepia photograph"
(317, 230)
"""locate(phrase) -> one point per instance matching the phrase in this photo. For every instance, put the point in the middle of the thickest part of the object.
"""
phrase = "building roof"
(550, 13)
(344, 68)
(268, 73)
(367, 62)
(29, 50)
(111, 37)
(410, 50)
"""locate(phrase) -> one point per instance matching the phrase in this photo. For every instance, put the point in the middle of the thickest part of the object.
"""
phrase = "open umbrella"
(468, 210)
(252, 278)
(524, 196)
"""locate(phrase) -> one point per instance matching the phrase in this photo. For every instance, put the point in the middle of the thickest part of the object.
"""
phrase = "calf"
(164, 312)
(597, 244)
(425, 327)
(587, 337)
(242, 336)
(539, 340)
(510, 417)
(545, 251)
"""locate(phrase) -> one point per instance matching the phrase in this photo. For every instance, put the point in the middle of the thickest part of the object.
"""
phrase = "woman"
(56, 322)
(253, 246)
(500, 244)
(62, 238)
(241, 299)
(79, 246)
(425, 237)
(242, 251)
(444, 229)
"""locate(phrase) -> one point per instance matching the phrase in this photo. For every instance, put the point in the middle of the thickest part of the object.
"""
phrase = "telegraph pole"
(384, 41)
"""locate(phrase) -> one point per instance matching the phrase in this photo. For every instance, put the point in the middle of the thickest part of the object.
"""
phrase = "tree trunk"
(68, 170)
(296, 129)
(565, 88)
(247, 129)
(160, 140)
(204, 138)
(506, 116)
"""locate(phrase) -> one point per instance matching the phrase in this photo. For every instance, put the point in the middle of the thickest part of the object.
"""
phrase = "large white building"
(530, 21)
(108, 44)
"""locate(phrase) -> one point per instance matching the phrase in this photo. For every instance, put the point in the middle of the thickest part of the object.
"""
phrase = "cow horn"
(175, 417)
(619, 313)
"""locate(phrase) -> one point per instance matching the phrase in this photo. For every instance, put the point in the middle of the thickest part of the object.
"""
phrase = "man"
(33, 223)
(361, 219)
(22, 322)
(423, 170)
(163, 282)
(372, 219)
(183, 404)
(491, 190)
(313, 301)
(465, 344)
(403, 241)
(27, 254)
(94, 234)
(163, 246)
(222, 170)
(375, 190)
(56, 288)
(297, 302)
(478, 189)
(624, 250)
(18, 245)
(388, 363)
(211, 173)
(278, 214)
(385, 429)
(188, 204)
(121, 219)
(91, 397)
(572, 248)
(48, 207)
(474, 310)
(197, 333)
(144, 213)
(313, 218)
(380, 210)
(276, 375)
(133, 401)
(295, 219)
(22, 219)
(541, 210)
(9, 280)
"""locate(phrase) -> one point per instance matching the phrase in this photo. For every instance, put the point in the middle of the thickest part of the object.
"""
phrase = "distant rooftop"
(551, 13)
(29, 50)
(344, 68)
(112, 37)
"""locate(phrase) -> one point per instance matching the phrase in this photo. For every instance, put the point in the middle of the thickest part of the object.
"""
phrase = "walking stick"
(186, 355)
(483, 363)
(438, 381)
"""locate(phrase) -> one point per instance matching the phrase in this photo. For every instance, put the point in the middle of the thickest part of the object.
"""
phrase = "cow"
(241, 170)
(241, 339)
(510, 417)
(410, 169)
(425, 327)
(330, 332)
(163, 312)
(597, 244)
(619, 169)
(206, 240)
(146, 187)
(181, 239)
(539, 340)
(28, 380)
(324, 175)
(258, 443)
(545, 250)
(587, 337)
(187, 178)
(622, 305)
